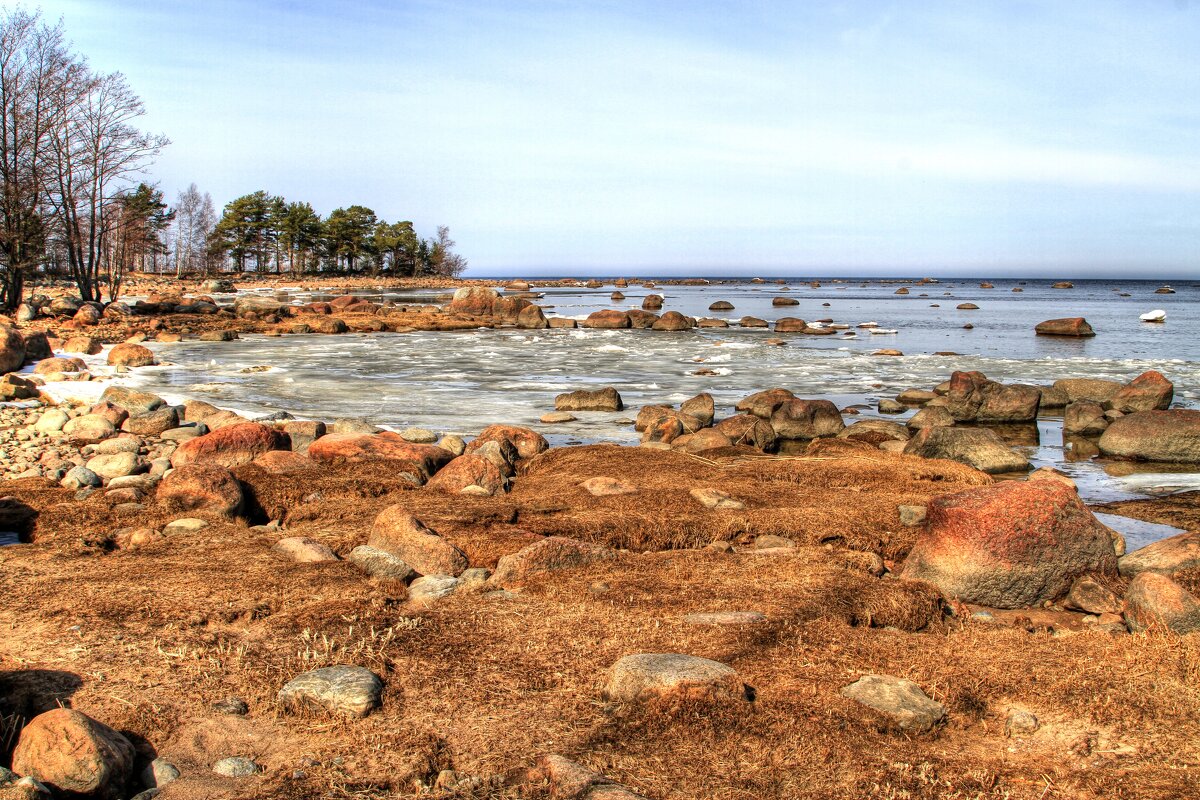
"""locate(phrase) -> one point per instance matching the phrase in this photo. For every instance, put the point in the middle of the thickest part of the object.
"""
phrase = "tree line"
(74, 200)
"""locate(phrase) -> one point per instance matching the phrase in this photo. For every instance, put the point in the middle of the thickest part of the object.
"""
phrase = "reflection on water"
(1137, 533)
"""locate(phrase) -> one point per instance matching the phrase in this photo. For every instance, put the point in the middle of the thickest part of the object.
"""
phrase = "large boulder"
(89, 429)
(257, 305)
(1166, 556)
(340, 448)
(673, 321)
(201, 487)
(763, 404)
(1172, 436)
(607, 319)
(552, 554)
(130, 355)
(528, 443)
(1084, 418)
(532, 318)
(397, 532)
(1096, 390)
(1067, 326)
(133, 401)
(12, 349)
(475, 301)
(978, 447)
(1010, 545)
(231, 446)
(606, 399)
(673, 676)
(74, 755)
(974, 398)
(806, 419)
(473, 474)
(700, 407)
(1150, 391)
(1155, 602)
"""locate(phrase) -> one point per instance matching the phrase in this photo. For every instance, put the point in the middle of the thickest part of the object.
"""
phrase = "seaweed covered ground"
(155, 640)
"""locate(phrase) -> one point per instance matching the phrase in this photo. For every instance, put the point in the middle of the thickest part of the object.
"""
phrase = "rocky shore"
(777, 602)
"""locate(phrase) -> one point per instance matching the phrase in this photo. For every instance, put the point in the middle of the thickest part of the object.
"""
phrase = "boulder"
(231, 446)
(707, 439)
(673, 321)
(607, 319)
(1068, 326)
(715, 498)
(552, 554)
(763, 404)
(340, 448)
(133, 401)
(528, 443)
(152, 423)
(48, 366)
(74, 755)
(977, 447)
(673, 676)
(347, 691)
(1150, 391)
(1088, 596)
(304, 550)
(606, 399)
(902, 701)
(875, 432)
(201, 486)
(1155, 602)
(785, 301)
(1096, 390)
(748, 430)
(930, 417)
(89, 428)
(256, 305)
(974, 398)
(114, 465)
(303, 433)
(12, 349)
(721, 305)
(130, 355)
(37, 346)
(1084, 418)
(397, 532)
(380, 563)
(1010, 545)
(700, 408)
(652, 302)
(1166, 556)
(532, 318)
(466, 471)
(283, 462)
(1171, 436)
(641, 320)
(790, 325)
(806, 419)
(752, 322)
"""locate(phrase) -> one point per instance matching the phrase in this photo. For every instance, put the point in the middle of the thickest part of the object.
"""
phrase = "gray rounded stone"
(345, 690)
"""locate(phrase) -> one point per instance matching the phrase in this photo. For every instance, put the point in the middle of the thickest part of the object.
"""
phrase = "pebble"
(235, 767)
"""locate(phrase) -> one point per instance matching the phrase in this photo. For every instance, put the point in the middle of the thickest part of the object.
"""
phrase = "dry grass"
(148, 639)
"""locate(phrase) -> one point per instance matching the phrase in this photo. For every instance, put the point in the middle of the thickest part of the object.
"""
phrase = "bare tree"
(34, 64)
(443, 258)
(195, 218)
(92, 157)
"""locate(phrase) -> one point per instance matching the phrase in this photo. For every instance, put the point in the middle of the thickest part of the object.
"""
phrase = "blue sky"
(942, 138)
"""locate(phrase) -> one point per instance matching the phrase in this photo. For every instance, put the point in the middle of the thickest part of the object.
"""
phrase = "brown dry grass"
(486, 685)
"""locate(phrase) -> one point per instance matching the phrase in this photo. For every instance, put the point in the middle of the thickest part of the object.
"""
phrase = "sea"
(463, 381)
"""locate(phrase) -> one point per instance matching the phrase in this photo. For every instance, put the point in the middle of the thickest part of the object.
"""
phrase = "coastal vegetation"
(76, 201)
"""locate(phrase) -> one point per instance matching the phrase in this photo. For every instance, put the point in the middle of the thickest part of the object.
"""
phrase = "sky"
(998, 139)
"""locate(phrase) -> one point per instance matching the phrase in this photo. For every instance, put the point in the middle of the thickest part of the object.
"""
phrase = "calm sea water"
(460, 382)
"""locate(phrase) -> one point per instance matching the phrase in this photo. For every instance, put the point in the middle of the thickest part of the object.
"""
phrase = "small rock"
(428, 588)
(236, 767)
(1020, 723)
(715, 498)
(912, 516)
(418, 435)
(901, 700)
(159, 773)
(380, 564)
(304, 550)
(726, 618)
(185, 525)
(606, 487)
(344, 690)
(648, 675)
(556, 417)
